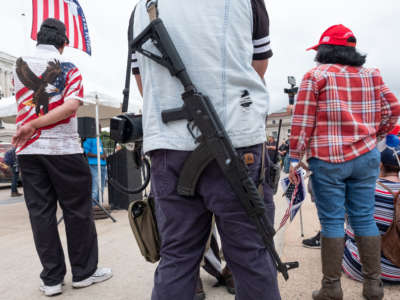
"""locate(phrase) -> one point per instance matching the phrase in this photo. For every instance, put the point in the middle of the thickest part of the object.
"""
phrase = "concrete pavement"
(20, 266)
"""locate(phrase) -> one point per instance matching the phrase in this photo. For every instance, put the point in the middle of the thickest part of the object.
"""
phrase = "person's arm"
(390, 111)
(102, 156)
(89, 145)
(260, 66)
(261, 39)
(139, 83)
(304, 117)
(60, 113)
(303, 122)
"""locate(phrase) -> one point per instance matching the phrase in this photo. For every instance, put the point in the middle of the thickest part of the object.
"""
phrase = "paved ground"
(132, 275)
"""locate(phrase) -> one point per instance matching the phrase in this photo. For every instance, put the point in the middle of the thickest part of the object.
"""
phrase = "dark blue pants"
(185, 223)
(14, 179)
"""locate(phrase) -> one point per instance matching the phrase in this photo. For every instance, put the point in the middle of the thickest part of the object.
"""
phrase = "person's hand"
(292, 174)
(290, 109)
(23, 135)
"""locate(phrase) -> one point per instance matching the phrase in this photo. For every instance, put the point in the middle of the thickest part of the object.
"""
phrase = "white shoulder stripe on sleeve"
(262, 49)
(262, 41)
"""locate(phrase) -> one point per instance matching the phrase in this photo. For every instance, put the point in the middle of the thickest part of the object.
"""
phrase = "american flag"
(70, 13)
(295, 195)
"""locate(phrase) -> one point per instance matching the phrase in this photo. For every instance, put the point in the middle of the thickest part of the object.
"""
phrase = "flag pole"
(98, 151)
(25, 25)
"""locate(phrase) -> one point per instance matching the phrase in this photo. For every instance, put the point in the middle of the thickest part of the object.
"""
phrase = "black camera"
(126, 128)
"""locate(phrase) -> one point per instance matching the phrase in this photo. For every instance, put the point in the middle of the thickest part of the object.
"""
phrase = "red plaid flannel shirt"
(341, 112)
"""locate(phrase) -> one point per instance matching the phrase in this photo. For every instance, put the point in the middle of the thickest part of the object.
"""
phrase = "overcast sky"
(295, 25)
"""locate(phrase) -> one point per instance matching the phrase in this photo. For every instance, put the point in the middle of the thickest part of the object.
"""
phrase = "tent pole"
(98, 152)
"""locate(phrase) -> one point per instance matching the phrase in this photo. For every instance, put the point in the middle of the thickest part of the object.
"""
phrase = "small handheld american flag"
(70, 13)
(295, 195)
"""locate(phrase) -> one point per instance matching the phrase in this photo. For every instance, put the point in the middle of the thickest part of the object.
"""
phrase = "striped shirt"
(261, 39)
(384, 211)
(60, 138)
(340, 113)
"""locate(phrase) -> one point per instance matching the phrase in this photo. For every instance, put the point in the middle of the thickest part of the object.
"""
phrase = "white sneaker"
(50, 291)
(101, 274)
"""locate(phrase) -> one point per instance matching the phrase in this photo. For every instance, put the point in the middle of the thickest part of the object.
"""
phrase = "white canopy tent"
(8, 108)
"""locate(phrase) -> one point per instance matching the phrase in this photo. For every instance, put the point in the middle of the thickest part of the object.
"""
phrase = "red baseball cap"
(336, 35)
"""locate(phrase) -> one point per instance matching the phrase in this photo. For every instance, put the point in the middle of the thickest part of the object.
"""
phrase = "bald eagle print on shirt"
(42, 86)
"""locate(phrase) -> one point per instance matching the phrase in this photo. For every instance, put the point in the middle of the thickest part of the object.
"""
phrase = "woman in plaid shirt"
(341, 112)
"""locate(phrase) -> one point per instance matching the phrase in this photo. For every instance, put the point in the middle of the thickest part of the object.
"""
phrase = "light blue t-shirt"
(90, 145)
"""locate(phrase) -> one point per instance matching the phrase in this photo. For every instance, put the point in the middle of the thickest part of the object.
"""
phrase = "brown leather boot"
(369, 248)
(331, 255)
(200, 295)
(228, 280)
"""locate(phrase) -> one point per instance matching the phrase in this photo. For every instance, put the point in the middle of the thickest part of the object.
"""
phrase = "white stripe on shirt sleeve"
(262, 49)
(262, 41)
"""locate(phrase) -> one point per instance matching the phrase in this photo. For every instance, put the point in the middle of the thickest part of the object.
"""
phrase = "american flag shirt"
(57, 139)
(340, 113)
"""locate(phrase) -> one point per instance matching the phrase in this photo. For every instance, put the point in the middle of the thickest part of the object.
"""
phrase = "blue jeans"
(95, 185)
(347, 187)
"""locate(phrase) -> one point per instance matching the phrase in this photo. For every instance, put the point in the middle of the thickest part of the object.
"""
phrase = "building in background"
(273, 124)
(7, 62)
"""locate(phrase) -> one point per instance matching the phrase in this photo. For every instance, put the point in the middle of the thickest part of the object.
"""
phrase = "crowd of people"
(341, 113)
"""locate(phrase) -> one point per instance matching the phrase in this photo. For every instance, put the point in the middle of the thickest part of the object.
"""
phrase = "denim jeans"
(95, 182)
(347, 187)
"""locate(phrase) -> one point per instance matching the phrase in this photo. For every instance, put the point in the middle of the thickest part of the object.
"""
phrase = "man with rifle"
(225, 48)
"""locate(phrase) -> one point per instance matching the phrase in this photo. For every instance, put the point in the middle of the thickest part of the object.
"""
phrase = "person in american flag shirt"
(49, 92)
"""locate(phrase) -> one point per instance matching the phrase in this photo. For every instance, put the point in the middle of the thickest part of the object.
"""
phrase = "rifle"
(275, 168)
(277, 143)
(213, 141)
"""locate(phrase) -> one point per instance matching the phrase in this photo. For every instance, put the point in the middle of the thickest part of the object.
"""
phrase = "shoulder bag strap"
(387, 188)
